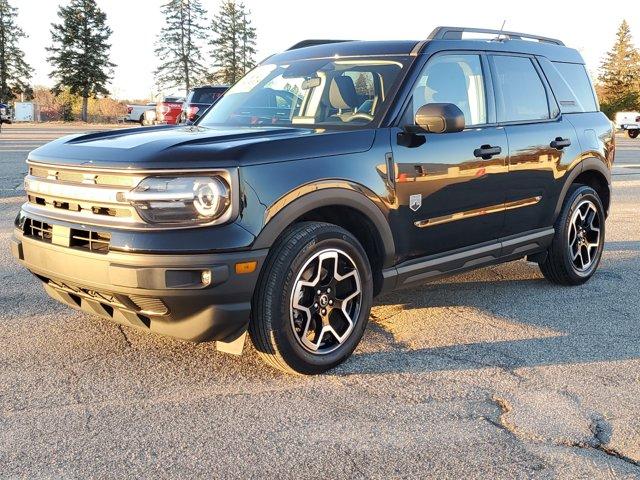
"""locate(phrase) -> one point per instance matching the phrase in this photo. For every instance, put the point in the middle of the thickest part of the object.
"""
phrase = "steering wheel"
(364, 116)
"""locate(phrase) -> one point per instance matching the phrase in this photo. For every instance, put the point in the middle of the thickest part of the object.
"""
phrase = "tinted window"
(521, 95)
(206, 95)
(575, 75)
(453, 79)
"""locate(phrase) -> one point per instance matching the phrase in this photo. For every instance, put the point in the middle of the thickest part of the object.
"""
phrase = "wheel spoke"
(328, 320)
(584, 235)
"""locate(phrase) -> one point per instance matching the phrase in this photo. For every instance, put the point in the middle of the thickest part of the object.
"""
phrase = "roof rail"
(455, 33)
(311, 43)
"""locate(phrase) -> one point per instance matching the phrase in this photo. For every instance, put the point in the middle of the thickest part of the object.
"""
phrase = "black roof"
(442, 38)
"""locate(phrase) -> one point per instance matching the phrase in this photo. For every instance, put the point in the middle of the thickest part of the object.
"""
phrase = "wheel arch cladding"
(350, 209)
(592, 172)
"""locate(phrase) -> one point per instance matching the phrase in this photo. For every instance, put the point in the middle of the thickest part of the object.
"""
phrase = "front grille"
(38, 230)
(83, 177)
(79, 195)
(96, 242)
(93, 241)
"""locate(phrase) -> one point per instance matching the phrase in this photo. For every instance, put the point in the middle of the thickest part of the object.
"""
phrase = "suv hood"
(164, 147)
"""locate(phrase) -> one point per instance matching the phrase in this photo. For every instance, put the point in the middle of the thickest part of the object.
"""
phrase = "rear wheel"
(633, 133)
(313, 299)
(575, 252)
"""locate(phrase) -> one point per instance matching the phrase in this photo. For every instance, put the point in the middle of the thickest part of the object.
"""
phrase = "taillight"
(129, 110)
(192, 112)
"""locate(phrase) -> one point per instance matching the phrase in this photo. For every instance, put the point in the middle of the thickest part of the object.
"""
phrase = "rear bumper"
(158, 293)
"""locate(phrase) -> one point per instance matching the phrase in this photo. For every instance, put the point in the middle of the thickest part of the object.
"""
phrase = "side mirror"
(439, 118)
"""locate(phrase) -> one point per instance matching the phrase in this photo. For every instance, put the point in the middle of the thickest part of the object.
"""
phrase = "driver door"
(450, 196)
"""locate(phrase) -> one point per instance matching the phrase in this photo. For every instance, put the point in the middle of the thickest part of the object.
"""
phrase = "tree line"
(191, 49)
(194, 49)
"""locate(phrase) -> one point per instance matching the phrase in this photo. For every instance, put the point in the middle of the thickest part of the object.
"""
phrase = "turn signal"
(246, 267)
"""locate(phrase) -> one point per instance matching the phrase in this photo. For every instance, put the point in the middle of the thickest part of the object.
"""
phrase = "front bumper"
(160, 293)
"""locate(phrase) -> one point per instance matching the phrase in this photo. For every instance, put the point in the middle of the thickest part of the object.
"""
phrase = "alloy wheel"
(325, 301)
(584, 236)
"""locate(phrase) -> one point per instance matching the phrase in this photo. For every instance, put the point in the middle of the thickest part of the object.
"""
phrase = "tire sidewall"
(580, 194)
(288, 345)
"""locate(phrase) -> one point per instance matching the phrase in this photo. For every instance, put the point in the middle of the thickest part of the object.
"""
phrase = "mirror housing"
(439, 118)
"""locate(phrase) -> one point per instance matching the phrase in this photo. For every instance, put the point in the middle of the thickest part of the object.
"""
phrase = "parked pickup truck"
(629, 121)
(135, 113)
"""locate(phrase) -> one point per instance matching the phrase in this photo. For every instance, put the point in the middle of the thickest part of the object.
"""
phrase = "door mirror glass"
(440, 118)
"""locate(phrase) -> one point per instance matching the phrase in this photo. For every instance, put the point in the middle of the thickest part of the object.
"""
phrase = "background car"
(135, 113)
(169, 110)
(199, 99)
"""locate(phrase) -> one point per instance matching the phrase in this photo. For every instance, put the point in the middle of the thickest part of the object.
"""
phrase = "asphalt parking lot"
(491, 374)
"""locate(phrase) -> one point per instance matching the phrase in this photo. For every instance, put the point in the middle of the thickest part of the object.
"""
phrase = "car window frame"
(552, 103)
(418, 68)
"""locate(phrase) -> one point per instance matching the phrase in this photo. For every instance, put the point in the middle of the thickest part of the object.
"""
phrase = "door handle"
(559, 143)
(487, 151)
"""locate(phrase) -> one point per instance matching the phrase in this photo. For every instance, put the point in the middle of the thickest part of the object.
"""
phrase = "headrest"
(342, 93)
(448, 81)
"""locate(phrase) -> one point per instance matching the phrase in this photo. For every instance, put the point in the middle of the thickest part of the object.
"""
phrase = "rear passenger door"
(542, 144)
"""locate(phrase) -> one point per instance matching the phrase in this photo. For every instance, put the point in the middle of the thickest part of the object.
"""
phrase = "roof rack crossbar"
(455, 33)
(312, 42)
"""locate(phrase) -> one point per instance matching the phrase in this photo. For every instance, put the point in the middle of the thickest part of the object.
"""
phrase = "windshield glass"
(314, 93)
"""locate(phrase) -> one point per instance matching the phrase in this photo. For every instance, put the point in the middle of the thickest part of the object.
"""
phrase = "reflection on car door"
(542, 145)
(448, 196)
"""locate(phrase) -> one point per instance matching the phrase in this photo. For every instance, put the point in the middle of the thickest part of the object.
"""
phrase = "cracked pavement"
(494, 373)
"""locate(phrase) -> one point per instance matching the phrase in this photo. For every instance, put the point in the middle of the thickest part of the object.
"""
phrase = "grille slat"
(97, 242)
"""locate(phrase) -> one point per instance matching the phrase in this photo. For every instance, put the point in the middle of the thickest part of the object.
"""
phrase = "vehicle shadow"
(517, 320)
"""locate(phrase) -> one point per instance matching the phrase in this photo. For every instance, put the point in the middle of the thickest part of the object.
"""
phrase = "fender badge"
(415, 202)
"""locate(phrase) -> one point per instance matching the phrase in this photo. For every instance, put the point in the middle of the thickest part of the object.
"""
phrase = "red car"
(169, 110)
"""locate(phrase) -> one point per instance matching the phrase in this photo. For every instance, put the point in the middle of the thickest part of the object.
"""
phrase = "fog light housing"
(206, 277)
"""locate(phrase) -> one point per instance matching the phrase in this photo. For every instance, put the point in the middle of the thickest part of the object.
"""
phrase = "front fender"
(296, 203)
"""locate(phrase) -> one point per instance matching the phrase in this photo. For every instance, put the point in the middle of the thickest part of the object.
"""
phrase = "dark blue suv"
(329, 174)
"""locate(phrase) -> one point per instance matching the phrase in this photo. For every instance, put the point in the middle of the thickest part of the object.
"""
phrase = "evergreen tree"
(80, 52)
(179, 44)
(620, 73)
(14, 71)
(234, 47)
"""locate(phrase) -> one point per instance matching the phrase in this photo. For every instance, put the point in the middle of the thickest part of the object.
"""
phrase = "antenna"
(501, 29)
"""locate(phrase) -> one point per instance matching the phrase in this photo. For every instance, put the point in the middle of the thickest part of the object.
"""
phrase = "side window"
(578, 80)
(454, 79)
(521, 95)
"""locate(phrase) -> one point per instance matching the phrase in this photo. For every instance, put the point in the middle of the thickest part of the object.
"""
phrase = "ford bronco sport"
(331, 173)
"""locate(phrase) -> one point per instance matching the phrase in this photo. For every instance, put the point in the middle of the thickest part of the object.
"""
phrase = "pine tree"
(234, 47)
(14, 71)
(620, 73)
(179, 44)
(80, 52)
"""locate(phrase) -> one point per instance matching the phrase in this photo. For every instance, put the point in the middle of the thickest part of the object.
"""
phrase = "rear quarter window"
(578, 80)
(571, 86)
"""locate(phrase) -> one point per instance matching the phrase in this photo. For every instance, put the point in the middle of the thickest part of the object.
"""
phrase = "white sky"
(281, 23)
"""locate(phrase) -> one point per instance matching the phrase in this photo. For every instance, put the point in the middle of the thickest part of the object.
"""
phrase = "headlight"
(173, 200)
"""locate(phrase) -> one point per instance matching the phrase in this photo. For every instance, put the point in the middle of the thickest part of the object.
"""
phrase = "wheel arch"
(592, 172)
(350, 206)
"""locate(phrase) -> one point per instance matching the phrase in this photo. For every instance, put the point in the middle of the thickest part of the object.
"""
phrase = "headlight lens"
(181, 199)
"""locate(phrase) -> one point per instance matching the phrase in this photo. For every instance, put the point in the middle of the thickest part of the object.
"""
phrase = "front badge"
(415, 202)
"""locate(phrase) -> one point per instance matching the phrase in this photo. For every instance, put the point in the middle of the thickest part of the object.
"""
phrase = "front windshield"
(312, 93)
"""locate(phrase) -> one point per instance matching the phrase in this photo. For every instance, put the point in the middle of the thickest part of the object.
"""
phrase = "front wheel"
(313, 299)
(574, 254)
(633, 133)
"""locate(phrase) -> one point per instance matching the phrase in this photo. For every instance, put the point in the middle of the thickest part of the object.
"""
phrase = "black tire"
(633, 133)
(559, 266)
(272, 326)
